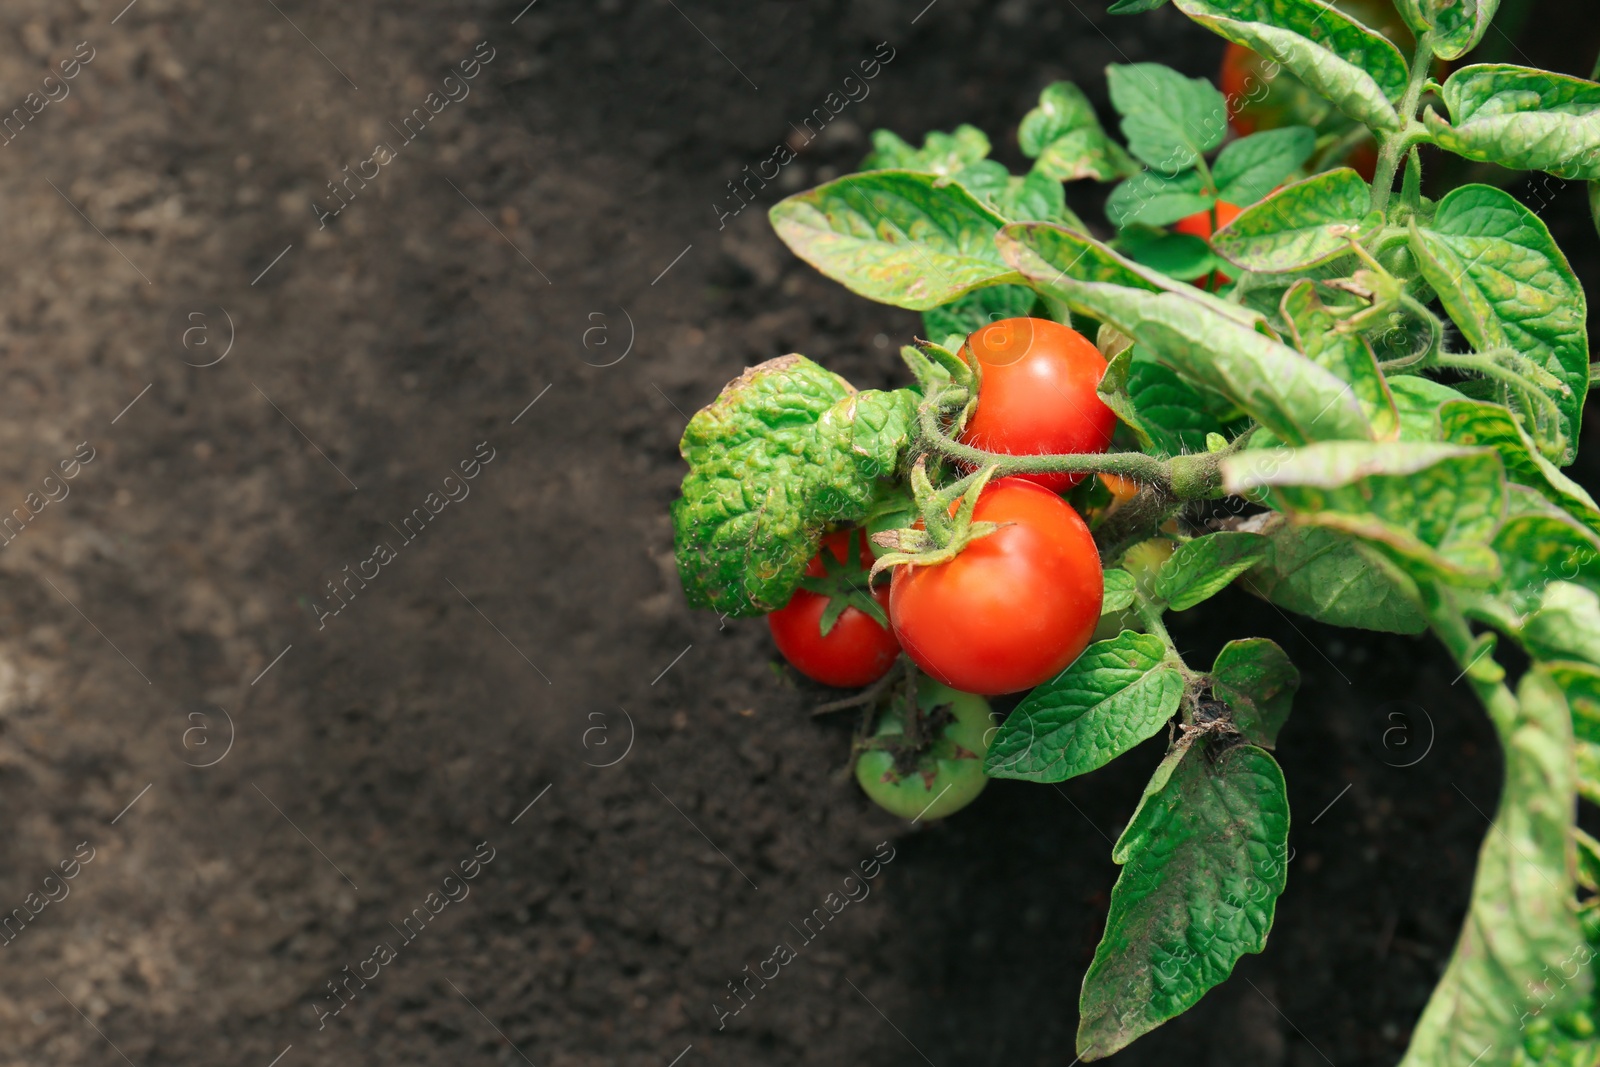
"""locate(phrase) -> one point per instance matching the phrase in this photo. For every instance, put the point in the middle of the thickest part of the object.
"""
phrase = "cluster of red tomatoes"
(1011, 610)
(1014, 608)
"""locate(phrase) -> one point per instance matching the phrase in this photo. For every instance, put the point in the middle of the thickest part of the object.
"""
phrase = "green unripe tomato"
(943, 775)
(1144, 561)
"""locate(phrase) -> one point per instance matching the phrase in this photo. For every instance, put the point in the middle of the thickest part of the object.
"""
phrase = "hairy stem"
(1490, 367)
(1187, 477)
(1396, 143)
(1134, 521)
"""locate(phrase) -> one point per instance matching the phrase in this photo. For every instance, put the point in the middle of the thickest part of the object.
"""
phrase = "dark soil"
(530, 645)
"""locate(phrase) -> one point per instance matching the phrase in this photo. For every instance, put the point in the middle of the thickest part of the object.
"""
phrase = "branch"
(1184, 477)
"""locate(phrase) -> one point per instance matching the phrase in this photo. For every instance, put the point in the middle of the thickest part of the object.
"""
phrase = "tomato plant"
(1366, 424)
(959, 619)
(835, 629)
(924, 760)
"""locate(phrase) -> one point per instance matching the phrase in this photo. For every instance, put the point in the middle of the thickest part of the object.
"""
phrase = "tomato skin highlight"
(1039, 394)
(949, 776)
(857, 651)
(1015, 607)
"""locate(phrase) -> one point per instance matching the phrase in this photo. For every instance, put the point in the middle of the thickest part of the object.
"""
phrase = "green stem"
(1395, 144)
(1450, 626)
(1186, 477)
(1490, 368)
(1367, 258)
(1150, 614)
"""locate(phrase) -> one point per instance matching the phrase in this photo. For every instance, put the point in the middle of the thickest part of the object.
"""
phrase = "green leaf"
(1133, 7)
(1588, 859)
(1115, 695)
(1085, 154)
(748, 521)
(1177, 255)
(1210, 342)
(979, 308)
(1166, 413)
(1253, 166)
(1504, 281)
(1522, 922)
(1581, 684)
(1359, 70)
(895, 237)
(1316, 332)
(1119, 591)
(1169, 121)
(1565, 626)
(1201, 568)
(1280, 388)
(1418, 400)
(941, 153)
(1321, 574)
(1431, 509)
(1178, 416)
(1062, 108)
(1473, 422)
(1035, 198)
(983, 179)
(1521, 118)
(1540, 544)
(1303, 225)
(1054, 257)
(1258, 683)
(1064, 134)
(869, 430)
(1204, 861)
(1156, 200)
(1458, 26)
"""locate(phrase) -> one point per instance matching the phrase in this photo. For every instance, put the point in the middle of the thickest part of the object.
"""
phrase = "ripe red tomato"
(942, 774)
(1241, 82)
(1015, 607)
(1038, 394)
(857, 650)
(1200, 225)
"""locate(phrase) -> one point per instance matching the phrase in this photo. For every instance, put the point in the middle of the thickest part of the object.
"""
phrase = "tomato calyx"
(934, 365)
(938, 536)
(846, 584)
(923, 725)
